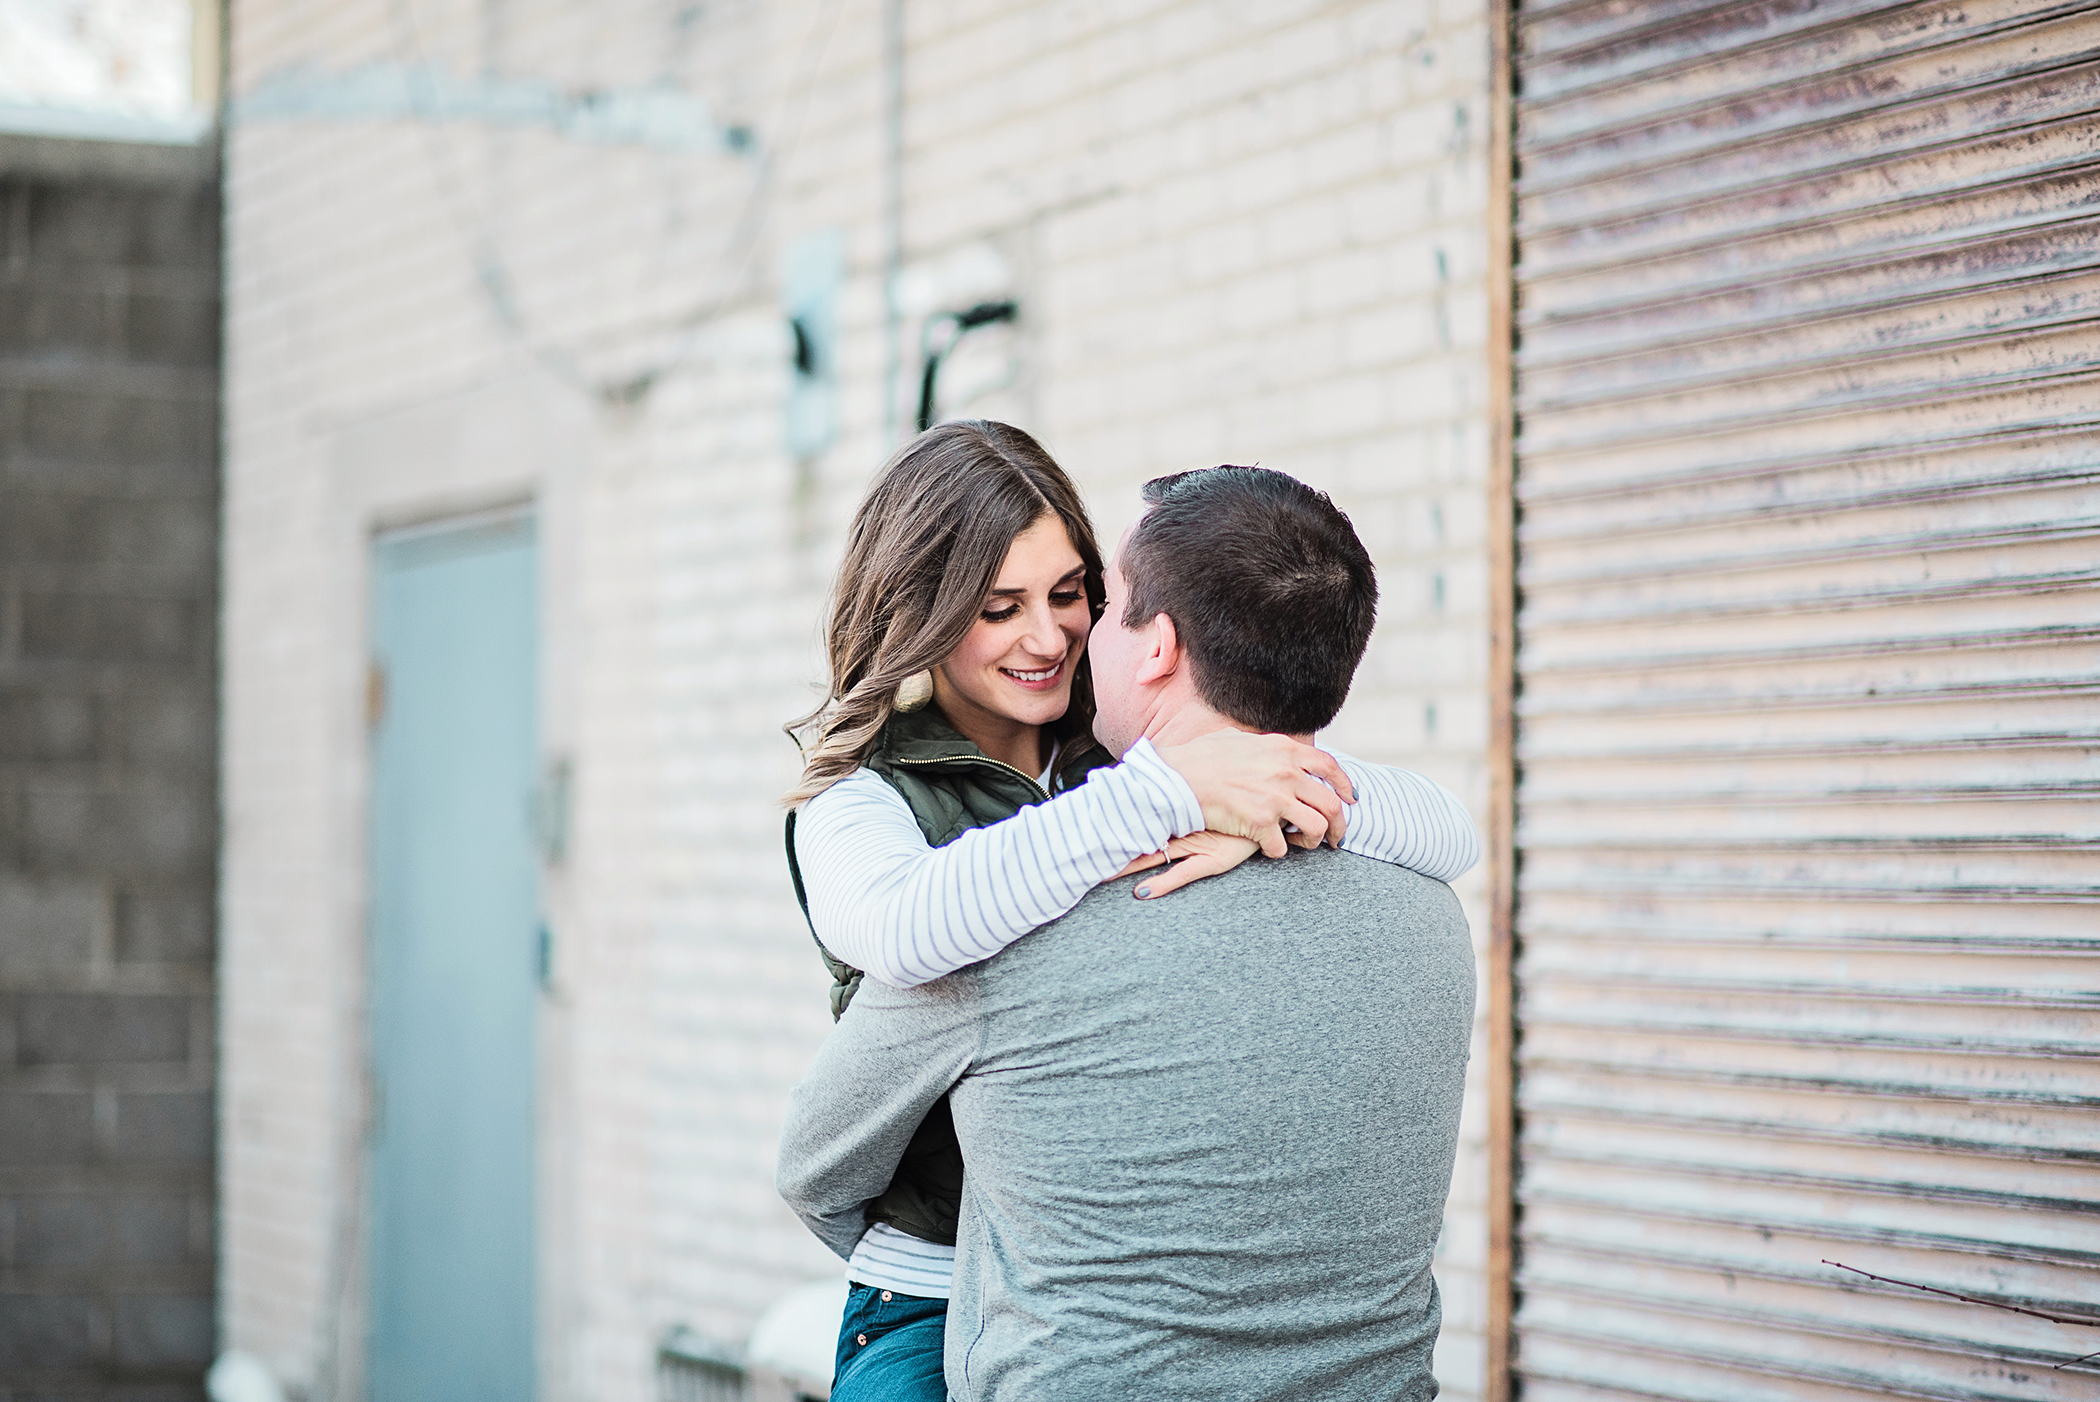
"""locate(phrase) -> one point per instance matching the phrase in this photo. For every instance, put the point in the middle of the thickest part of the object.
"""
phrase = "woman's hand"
(1196, 856)
(1252, 786)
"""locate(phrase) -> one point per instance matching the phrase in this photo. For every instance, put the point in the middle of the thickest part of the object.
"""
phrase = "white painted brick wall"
(1245, 233)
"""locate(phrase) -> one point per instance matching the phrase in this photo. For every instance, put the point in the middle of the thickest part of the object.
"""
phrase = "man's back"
(1209, 1140)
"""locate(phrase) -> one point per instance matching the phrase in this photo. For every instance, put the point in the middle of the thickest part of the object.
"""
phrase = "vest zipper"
(983, 759)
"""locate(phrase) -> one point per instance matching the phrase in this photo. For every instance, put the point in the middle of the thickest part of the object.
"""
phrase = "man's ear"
(1163, 658)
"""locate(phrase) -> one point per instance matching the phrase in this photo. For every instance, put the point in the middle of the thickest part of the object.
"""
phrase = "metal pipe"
(892, 213)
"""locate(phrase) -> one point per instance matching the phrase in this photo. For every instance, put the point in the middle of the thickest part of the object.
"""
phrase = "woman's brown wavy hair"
(924, 550)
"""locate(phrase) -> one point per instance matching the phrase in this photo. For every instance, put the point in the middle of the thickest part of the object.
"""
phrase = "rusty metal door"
(1807, 698)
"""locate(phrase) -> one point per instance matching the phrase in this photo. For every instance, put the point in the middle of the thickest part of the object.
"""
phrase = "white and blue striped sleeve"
(906, 913)
(1403, 818)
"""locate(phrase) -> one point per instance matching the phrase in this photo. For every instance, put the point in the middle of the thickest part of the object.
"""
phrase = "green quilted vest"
(951, 786)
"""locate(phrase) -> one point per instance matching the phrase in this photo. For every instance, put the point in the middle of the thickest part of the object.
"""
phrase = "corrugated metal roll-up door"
(1808, 697)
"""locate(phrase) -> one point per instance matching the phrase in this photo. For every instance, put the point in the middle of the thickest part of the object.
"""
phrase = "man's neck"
(1192, 720)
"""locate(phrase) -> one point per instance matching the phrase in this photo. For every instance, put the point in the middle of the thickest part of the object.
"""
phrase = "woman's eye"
(1064, 601)
(1001, 615)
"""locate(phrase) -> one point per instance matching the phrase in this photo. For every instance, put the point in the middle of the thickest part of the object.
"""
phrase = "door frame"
(1501, 1071)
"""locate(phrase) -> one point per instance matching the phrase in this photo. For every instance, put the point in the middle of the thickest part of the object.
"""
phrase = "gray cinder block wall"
(109, 297)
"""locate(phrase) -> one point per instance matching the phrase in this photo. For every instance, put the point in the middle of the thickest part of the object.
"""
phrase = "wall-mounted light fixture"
(939, 336)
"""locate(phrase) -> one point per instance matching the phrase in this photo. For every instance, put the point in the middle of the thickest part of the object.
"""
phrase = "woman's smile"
(1044, 679)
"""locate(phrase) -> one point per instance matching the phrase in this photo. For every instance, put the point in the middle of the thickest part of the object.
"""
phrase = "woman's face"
(1015, 666)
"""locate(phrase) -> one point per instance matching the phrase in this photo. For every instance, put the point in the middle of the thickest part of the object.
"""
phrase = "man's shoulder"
(1310, 879)
(1320, 891)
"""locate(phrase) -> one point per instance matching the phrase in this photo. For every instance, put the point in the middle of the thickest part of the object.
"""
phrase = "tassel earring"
(915, 691)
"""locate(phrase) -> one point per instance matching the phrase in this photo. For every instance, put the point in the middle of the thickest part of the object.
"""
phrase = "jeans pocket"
(857, 1323)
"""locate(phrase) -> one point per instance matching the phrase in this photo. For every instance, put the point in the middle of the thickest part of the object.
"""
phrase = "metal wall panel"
(1807, 715)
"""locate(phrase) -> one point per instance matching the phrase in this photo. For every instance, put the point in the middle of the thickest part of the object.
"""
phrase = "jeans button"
(885, 1296)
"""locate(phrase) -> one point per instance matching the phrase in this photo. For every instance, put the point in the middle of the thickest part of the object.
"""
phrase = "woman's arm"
(1413, 822)
(906, 913)
(1399, 817)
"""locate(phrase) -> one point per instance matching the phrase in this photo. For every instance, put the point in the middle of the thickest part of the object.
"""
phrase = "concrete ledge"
(127, 162)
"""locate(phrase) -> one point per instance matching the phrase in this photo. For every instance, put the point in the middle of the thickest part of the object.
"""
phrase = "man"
(1208, 1138)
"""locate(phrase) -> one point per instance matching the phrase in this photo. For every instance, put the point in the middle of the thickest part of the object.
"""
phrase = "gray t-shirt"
(1208, 1138)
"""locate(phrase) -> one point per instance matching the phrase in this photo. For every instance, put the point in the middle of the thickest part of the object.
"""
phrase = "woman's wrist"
(1259, 786)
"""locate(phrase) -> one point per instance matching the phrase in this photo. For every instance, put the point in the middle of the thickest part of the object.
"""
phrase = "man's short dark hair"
(1270, 591)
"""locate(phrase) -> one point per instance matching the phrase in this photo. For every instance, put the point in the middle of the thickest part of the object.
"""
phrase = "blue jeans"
(890, 1348)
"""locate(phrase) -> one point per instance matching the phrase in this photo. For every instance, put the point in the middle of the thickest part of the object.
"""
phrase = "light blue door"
(454, 965)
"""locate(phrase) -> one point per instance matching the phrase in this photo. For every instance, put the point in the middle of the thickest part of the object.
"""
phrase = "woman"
(954, 799)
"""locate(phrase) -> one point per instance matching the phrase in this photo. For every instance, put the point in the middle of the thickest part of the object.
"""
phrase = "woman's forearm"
(906, 913)
(1413, 822)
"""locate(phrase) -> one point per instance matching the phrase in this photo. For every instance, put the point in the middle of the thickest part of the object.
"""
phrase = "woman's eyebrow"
(1017, 589)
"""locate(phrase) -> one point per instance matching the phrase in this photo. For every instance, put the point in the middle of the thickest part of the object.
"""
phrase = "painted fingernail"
(1144, 893)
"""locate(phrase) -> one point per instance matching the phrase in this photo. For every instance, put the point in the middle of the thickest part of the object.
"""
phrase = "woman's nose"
(1044, 638)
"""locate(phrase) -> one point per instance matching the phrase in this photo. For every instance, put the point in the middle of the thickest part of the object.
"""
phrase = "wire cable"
(737, 260)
